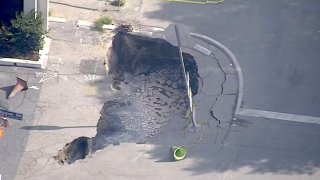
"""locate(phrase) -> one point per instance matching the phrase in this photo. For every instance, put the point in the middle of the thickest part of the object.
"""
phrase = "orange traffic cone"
(21, 85)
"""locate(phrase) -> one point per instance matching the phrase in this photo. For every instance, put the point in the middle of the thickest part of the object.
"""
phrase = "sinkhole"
(147, 75)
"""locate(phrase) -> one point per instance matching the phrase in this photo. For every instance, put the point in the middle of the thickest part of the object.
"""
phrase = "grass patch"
(105, 20)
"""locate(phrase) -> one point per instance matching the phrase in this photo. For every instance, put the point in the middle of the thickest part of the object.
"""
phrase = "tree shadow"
(260, 147)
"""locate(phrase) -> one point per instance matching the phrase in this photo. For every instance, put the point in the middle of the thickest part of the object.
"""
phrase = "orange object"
(1, 133)
(21, 85)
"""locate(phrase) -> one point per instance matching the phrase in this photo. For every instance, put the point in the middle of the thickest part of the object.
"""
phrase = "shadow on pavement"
(7, 90)
(259, 147)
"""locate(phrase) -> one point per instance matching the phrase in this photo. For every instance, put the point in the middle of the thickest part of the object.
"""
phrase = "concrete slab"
(65, 110)
(231, 84)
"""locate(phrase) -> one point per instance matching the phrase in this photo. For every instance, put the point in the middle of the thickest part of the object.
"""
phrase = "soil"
(33, 56)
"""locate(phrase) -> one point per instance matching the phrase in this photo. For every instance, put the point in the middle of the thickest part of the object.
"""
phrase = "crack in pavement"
(222, 89)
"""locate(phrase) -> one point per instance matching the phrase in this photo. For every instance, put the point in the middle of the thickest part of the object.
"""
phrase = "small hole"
(15, 64)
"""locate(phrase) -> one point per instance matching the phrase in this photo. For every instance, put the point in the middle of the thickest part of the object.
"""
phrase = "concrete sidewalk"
(77, 111)
(73, 90)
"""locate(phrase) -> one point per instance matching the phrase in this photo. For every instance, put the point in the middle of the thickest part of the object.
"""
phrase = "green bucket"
(179, 153)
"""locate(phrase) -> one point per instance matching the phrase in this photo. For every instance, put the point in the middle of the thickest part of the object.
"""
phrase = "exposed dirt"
(6, 53)
(77, 149)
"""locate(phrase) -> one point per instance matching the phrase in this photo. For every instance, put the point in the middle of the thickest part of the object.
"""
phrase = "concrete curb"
(234, 60)
(152, 28)
(81, 23)
(57, 19)
(40, 64)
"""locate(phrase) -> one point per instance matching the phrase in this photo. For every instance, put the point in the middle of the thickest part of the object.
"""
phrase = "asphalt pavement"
(276, 43)
(277, 46)
(14, 141)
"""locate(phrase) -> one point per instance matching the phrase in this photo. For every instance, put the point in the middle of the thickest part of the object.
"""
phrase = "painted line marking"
(202, 49)
(46, 79)
(280, 116)
(53, 67)
(63, 77)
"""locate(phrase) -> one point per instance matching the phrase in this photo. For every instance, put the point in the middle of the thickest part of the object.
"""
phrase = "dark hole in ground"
(153, 92)
(77, 149)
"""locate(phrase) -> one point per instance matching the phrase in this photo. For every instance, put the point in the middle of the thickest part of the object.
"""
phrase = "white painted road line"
(280, 116)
